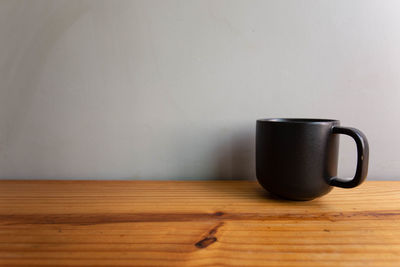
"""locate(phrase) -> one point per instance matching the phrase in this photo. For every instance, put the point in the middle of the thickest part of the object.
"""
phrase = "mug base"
(295, 195)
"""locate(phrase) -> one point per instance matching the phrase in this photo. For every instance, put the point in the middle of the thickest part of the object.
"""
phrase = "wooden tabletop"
(196, 223)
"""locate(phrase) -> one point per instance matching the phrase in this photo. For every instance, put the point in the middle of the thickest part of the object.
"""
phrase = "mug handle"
(362, 157)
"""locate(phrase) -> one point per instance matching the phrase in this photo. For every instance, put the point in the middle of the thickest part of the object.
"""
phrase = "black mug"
(297, 158)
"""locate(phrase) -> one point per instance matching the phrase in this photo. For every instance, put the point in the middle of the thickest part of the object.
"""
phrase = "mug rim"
(299, 120)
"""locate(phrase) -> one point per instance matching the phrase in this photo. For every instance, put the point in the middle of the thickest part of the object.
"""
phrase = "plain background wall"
(171, 89)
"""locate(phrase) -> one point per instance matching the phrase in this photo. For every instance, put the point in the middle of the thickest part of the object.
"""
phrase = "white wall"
(172, 89)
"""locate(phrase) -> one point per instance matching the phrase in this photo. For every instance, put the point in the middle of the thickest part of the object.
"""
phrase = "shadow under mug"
(297, 158)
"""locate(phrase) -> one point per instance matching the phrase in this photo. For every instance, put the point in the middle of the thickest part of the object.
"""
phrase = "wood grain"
(196, 223)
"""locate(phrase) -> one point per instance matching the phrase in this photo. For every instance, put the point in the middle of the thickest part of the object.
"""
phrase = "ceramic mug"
(297, 158)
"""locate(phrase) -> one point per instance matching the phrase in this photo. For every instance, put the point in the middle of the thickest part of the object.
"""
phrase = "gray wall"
(172, 89)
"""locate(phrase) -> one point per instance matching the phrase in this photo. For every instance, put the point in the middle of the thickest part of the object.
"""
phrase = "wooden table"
(196, 223)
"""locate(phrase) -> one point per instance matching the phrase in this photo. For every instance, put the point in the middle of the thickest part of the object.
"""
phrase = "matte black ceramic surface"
(298, 158)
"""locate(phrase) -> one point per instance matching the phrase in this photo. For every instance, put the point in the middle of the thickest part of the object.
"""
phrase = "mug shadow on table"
(235, 160)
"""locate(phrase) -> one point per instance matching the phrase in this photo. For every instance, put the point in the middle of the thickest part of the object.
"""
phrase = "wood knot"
(210, 237)
(206, 242)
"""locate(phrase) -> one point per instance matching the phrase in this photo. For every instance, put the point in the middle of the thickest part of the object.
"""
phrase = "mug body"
(295, 158)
